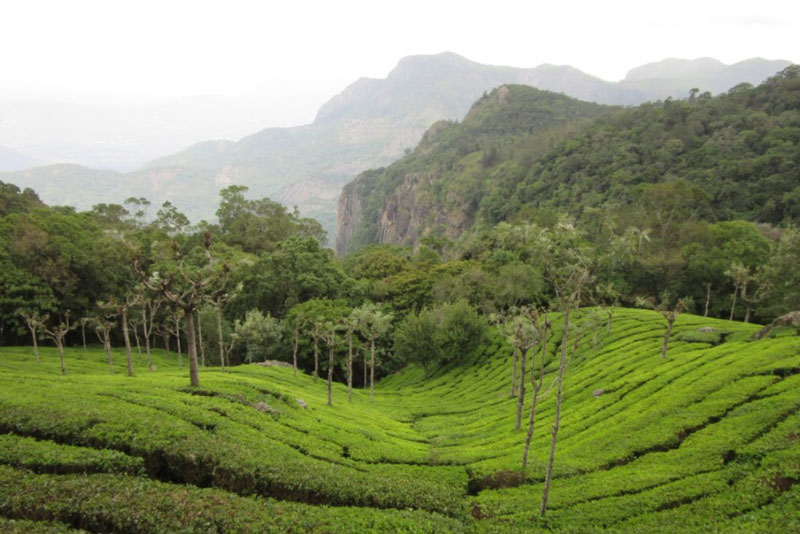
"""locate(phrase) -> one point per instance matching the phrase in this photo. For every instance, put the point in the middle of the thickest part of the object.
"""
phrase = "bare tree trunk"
(733, 306)
(514, 373)
(372, 371)
(35, 344)
(316, 358)
(350, 366)
(330, 375)
(178, 339)
(295, 345)
(166, 337)
(365, 368)
(708, 299)
(220, 340)
(136, 338)
(747, 304)
(560, 381)
(124, 317)
(107, 345)
(191, 348)
(146, 339)
(200, 339)
(610, 313)
(532, 418)
(83, 333)
(521, 397)
(670, 321)
(60, 345)
(537, 386)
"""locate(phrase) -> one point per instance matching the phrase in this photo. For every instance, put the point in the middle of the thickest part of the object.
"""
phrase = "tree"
(373, 324)
(541, 328)
(34, 322)
(522, 335)
(257, 332)
(518, 284)
(170, 220)
(710, 255)
(121, 306)
(103, 325)
(295, 323)
(349, 325)
(783, 275)
(317, 332)
(741, 277)
(329, 329)
(568, 263)
(415, 341)
(669, 310)
(187, 287)
(257, 226)
(294, 271)
(312, 316)
(83, 321)
(150, 304)
(57, 332)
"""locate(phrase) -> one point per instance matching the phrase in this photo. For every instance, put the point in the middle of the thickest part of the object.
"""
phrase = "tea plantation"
(706, 440)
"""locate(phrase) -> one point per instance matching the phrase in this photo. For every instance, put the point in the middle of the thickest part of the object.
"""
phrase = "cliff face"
(348, 216)
(437, 189)
(403, 217)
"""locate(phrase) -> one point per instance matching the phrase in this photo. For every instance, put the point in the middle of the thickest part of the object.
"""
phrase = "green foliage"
(446, 334)
(783, 273)
(297, 270)
(258, 225)
(522, 154)
(258, 333)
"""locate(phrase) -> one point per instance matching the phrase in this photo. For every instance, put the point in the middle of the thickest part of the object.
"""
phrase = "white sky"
(166, 47)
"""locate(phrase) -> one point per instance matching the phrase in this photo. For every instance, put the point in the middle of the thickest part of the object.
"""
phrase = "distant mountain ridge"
(369, 124)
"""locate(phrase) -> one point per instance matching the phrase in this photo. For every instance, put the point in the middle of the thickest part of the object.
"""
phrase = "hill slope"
(738, 150)
(368, 125)
(704, 440)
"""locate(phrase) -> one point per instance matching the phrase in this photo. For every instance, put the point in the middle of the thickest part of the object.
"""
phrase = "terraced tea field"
(706, 440)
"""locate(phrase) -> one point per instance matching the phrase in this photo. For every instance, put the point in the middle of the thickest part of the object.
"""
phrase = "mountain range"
(522, 154)
(369, 124)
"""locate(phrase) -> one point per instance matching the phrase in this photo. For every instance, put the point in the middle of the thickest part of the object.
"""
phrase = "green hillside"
(706, 440)
(733, 156)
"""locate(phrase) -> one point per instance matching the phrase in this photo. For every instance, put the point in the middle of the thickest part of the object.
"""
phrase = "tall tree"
(541, 327)
(258, 332)
(522, 335)
(668, 309)
(373, 324)
(35, 323)
(103, 324)
(186, 287)
(329, 329)
(568, 264)
(349, 325)
(57, 332)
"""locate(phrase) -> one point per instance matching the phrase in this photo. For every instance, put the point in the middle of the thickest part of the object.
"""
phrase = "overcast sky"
(166, 47)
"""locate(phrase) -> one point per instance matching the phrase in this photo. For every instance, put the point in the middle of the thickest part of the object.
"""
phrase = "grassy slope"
(707, 440)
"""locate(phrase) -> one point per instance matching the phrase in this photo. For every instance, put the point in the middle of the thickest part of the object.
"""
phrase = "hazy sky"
(179, 47)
